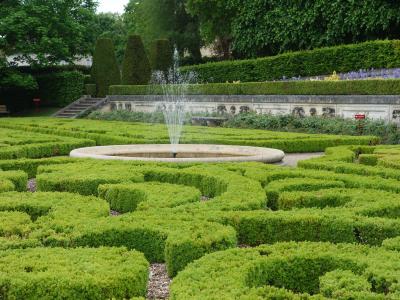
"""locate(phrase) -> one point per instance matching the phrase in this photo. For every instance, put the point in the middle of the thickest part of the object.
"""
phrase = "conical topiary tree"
(161, 54)
(136, 65)
(105, 70)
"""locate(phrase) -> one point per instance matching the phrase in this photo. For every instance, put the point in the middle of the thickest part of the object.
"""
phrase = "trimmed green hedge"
(323, 61)
(343, 87)
(143, 196)
(60, 89)
(292, 271)
(105, 70)
(55, 273)
(121, 133)
(25, 144)
(136, 65)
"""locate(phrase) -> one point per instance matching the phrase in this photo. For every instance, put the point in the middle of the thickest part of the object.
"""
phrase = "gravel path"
(31, 186)
(291, 159)
(158, 286)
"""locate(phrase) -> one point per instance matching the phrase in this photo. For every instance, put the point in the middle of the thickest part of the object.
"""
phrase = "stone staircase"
(83, 105)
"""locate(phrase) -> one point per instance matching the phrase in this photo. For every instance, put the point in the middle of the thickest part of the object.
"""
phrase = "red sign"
(360, 116)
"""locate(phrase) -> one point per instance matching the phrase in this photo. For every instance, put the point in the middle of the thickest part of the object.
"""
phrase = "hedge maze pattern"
(329, 229)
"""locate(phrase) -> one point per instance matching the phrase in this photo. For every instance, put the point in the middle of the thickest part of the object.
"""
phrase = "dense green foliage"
(127, 116)
(388, 133)
(60, 89)
(291, 271)
(105, 70)
(53, 31)
(20, 144)
(48, 273)
(344, 87)
(161, 55)
(122, 133)
(136, 68)
(166, 19)
(336, 198)
(16, 88)
(143, 196)
(269, 27)
(322, 61)
(115, 27)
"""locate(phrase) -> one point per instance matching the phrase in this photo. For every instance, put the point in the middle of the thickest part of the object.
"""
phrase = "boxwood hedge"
(55, 273)
(88, 132)
(292, 271)
(333, 199)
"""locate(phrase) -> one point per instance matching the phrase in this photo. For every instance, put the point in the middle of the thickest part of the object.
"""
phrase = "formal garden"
(323, 223)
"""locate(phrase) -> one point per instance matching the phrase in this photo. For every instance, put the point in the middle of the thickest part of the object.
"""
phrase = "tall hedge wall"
(161, 55)
(376, 54)
(60, 89)
(105, 70)
(346, 87)
(136, 65)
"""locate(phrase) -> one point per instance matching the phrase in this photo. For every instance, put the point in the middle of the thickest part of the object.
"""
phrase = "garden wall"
(386, 107)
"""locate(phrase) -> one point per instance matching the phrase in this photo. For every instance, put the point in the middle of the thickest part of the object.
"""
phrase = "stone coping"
(239, 153)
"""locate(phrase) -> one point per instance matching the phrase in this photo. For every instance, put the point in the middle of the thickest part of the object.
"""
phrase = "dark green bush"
(90, 89)
(323, 61)
(105, 70)
(16, 89)
(136, 68)
(161, 55)
(343, 87)
(60, 89)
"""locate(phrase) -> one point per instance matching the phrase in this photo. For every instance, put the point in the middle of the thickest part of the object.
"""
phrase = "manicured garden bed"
(331, 225)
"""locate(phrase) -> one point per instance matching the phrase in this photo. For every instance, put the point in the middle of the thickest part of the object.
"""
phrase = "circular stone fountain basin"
(184, 153)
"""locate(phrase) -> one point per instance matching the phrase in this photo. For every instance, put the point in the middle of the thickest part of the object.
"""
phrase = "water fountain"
(174, 86)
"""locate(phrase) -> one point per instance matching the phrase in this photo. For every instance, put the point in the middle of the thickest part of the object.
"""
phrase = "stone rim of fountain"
(231, 153)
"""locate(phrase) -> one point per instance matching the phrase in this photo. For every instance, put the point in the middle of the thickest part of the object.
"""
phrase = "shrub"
(321, 61)
(105, 70)
(142, 196)
(344, 87)
(136, 66)
(161, 55)
(16, 89)
(60, 89)
(291, 271)
(90, 89)
(75, 274)
(111, 133)
(388, 132)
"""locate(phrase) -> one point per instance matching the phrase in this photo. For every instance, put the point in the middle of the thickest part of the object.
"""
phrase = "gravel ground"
(114, 213)
(158, 286)
(204, 199)
(291, 159)
(31, 186)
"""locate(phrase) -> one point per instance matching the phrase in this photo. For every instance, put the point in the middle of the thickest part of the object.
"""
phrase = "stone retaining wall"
(375, 107)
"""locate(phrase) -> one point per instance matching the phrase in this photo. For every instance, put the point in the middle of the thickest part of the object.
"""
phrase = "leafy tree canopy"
(46, 32)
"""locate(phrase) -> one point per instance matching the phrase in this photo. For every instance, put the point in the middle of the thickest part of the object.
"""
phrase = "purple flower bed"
(356, 75)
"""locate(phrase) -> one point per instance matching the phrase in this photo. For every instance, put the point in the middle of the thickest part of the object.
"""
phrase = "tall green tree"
(105, 70)
(215, 17)
(116, 27)
(166, 19)
(161, 55)
(268, 27)
(51, 30)
(136, 65)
